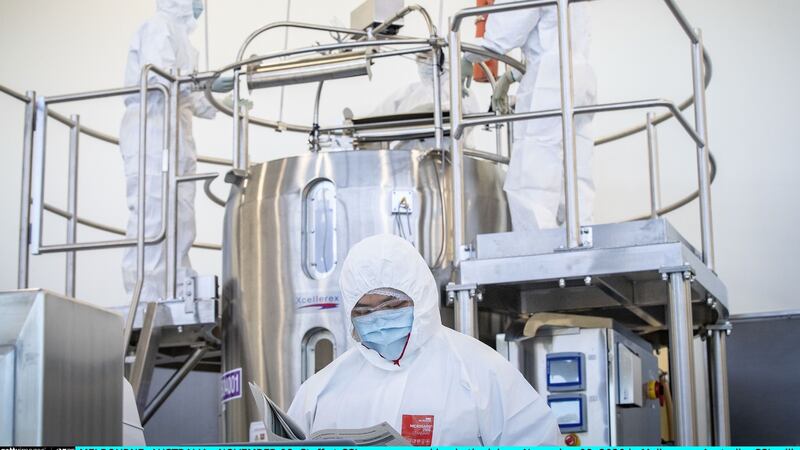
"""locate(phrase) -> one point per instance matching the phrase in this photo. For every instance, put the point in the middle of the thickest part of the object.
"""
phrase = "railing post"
(237, 156)
(571, 213)
(653, 164)
(25, 193)
(457, 149)
(703, 176)
(72, 201)
(172, 182)
(37, 174)
(438, 133)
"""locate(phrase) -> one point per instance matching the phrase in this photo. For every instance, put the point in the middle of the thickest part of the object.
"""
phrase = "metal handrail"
(112, 140)
(694, 37)
(299, 128)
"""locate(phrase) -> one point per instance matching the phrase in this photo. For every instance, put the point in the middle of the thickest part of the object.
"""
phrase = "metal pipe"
(309, 70)
(691, 33)
(280, 54)
(498, 136)
(472, 48)
(590, 109)
(237, 162)
(458, 17)
(72, 202)
(210, 195)
(571, 212)
(314, 136)
(244, 139)
(404, 12)
(718, 366)
(658, 119)
(172, 174)
(681, 355)
(653, 165)
(486, 155)
(28, 97)
(94, 95)
(25, 191)
(438, 133)
(172, 383)
(456, 151)
(196, 177)
(141, 201)
(37, 173)
(287, 24)
(704, 185)
(466, 313)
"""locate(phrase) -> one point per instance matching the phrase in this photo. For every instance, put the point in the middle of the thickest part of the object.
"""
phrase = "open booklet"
(280, 426)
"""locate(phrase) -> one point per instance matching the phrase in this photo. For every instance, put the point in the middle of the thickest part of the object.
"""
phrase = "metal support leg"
(25, 196)
(457, 150)
(571, 213)
(142, 370)
(718, 368)
(466, 312)
(465, 300)
(72, 202)
(681, 355)
(653, 164)
(173, 382)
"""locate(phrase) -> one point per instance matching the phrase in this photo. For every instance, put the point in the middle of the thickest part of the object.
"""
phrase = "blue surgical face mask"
(197, 8)
(386, 331)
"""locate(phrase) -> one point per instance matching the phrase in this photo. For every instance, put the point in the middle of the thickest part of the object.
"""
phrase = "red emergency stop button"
(572, 440)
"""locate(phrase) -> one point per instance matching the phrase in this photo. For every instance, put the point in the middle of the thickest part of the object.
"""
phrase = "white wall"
(639, 52)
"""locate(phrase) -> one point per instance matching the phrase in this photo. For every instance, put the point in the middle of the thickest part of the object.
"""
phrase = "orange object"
(572, 440)
(480, 28)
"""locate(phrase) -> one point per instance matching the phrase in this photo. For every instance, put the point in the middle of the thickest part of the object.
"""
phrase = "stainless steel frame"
(572, 259)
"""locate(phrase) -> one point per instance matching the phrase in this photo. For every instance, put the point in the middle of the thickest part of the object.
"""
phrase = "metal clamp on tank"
(310, 69)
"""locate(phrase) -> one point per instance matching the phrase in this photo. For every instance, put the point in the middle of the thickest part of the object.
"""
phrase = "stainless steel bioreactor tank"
(289, 224)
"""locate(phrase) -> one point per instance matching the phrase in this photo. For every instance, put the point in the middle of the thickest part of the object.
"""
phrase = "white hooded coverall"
(534, 184)
(163, 41)
(455, 389)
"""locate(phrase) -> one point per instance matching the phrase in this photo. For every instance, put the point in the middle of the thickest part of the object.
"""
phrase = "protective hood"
(388, 261)
(178, 12)
(425, 69)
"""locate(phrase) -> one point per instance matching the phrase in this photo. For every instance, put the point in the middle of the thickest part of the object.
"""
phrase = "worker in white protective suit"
(433, 384)
(163, 41)
(534, 184)
(417, 97)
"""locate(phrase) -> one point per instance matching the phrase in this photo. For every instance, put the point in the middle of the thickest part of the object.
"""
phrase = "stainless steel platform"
(181, 331)
(623, 274)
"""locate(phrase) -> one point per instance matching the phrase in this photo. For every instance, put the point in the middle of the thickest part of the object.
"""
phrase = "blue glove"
(222, 84)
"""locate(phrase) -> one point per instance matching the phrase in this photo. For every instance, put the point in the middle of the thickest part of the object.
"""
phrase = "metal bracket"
(198, 287)
(686, 269)
(475, 291)
(725, 327)
(236, 176)
(465, 252)
(402, 202)
(587, 240)
(187, 294)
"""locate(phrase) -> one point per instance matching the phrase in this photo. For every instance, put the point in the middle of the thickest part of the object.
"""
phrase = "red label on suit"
(418, 429)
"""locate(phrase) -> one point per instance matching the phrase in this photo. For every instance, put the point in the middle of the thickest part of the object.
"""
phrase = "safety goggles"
(393, 299)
